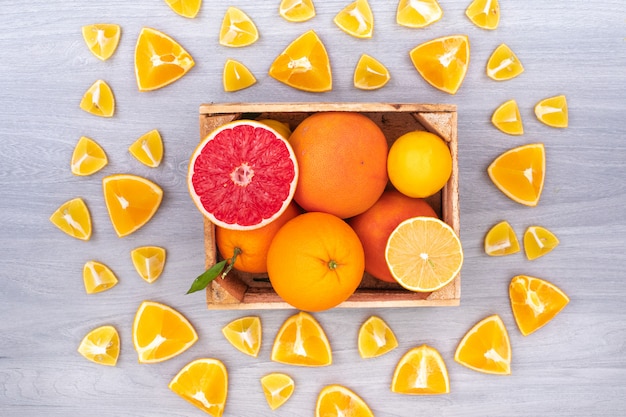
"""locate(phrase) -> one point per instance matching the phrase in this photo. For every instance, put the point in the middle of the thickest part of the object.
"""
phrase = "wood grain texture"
(576, 365)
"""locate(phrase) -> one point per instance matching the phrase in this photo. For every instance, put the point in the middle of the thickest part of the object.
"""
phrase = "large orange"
(315, 261)
(376, 224)
(342, 158)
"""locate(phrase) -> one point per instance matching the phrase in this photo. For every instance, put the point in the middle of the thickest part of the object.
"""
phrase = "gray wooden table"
(574, 366)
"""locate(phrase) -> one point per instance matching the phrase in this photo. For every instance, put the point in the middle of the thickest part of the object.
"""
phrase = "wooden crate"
(246, 291)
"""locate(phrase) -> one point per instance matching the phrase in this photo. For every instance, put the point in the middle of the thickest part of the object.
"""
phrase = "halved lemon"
(88, 157)
(503, 64)
(507, 118)
(370, 74)
(538, 241)
(148, 149)
(418, 13)
(443, 61)
(535, 302)
(421, 371)
(486, 347)
(245, 334)
(98, 277)
(375, 338)
(73, 218)
(237, 29)
(102, 39)
(99, 100)
(101, 345)
(277, 388)
(301, 341)
(356, 19)
(484, 13)
(501, 240)
(339, 401)
(204, 383)
(236, 76)
(148, 261)
(552, 111)
(297, 10)
(185, 8)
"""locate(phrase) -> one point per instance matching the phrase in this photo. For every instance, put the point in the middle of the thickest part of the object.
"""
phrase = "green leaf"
(207, 276)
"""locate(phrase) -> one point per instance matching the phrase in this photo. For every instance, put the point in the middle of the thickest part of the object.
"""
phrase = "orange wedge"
(277, 388)
(486, 347)
(370, 74)
(443, 62)
(160, 332)
(131, 201)
(501, 240)
(302, 341)
(519, 173)
(339, 401)
(304, 65)
(203, 383)
(418, 13)
(503, 64)
(237, 29)
(484, 13)
(421, 371)
(535, 302)
(507, 118)
(88, 157)
(244, 334)
(98, 277)
(148, 261)
(297, 10)
(375, 338)
(159, 60)
(73, 218)
(101, 345)
(552, 111)
(236, 76)
(102, 39)
(148, 149)
(538, 241)
(185, 8)
(424, 254)
(356, 19)
(99, 100)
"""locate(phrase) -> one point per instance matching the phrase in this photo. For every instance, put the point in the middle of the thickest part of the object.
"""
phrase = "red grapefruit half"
(243, 175)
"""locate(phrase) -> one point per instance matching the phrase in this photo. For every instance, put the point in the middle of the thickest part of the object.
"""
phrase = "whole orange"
(342, 158)
(253, 244)
(315, 261)
(376, 224)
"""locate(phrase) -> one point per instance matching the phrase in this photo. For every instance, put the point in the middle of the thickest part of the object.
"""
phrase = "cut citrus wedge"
(486, 347)
(421, 371)
(297, 10)
(203, 383)
(538, 241)
(356, 19)
(484, 13)
(160, 332)
(159, 60)
(503, 64)
(101, 345)
(98, 277)
(277, 388)
(73, 218)
(304, 65)
(88, 157)
(370, 74)
(375, 338)
(148, 261)
(102, 39)
(418, 13)
(185, 8)
(519, 173)
(245, 334)
(237, 29)
(443, 62)
(236, 76)
(99, 100)
(131, 201)
(501, 240)
(148, 149)
(535, 302)
(339, 401)
(302, 341)
(424, 254)
(552, 111)
(507, 118)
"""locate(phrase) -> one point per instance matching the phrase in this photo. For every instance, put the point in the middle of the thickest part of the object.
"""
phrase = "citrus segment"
(102, 39)
(73, 218)
(503, 64)
(443, 61)
(203, 383)
(375, 338)
(237, 29)
(297, 10)
(277, 388)
(356, 19)
(159, 60)
(507, 118)
(501, 240)
(519, 173)
(486, 347)
(236, 76)
(304, 65)
(88, 157)
(149, 262)
(160, 332)
(418, 13)
(244, 334)
(99, 100)
(185, 8)
(101, 345)
(339, 401)
(98, 277)
(484, 13)
(370, 74)
(535, 302)
(538, 241)
(148, 149)
(421, 371)
(131, 201)
(552, 111)
(242, 175)
(301, 341)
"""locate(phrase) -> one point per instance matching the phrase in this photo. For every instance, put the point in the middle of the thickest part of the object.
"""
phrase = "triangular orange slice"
(148, 149)
(339, 401)
(370, 74)
(236, 76)
(421, 371)
(102, 39)
(98, 277)
(356, 19)
(552, 111)
(203, 383)
(486, 347)
(245, 334)
(99, 100)
(149, 262)
(297, 10)
(277, 388)
(507, 118)
(484, 13)
(88, 157)
(73, 218)
(237, 29)
(101, 346)
(501, 240)
(443, 62)
(503, 64)
(538, 241)
(375, 338)
(185, 8)
(301, 341)
(418, 13)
